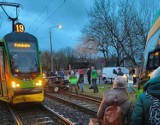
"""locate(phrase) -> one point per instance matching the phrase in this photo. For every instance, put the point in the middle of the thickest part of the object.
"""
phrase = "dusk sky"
(39, 15)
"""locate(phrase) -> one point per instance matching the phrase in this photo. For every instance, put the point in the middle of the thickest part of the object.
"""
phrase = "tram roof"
(155, 25)
(20, 36)
(157, 15)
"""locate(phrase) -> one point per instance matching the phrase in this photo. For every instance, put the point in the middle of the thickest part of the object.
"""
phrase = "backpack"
(113, 114)
(154, 117)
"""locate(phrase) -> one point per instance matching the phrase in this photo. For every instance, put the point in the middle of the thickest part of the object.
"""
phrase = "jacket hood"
(153, 87)
(115, 94)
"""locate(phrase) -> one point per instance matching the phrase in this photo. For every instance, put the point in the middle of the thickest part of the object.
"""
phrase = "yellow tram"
(20, 68)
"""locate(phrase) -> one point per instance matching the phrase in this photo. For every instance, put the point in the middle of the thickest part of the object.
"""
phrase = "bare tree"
(46, 60)
(118, 29)
(64, 57)
(95, 34)
(61, 58)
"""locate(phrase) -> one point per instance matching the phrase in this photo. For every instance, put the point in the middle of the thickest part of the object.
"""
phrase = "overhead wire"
(1, 15)
(4, 11)
(0, 18)
(59, 7)
(7, 12)
(39, 15)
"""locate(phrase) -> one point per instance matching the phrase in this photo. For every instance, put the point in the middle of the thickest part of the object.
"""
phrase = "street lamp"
(50, 32)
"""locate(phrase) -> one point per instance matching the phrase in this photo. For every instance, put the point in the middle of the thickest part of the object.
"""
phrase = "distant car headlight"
(44, 75)
(125, 76)
(67, 86)
(134, 75)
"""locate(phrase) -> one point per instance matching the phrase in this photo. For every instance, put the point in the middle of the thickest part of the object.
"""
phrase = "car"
(109, 73)
(55, 83)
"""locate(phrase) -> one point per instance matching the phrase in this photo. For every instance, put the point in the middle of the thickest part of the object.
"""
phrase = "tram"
(152, 48)
(20, 68)
(151, 54)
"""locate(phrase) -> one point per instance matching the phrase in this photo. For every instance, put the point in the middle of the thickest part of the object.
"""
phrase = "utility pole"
(51, 49)
(50, 34)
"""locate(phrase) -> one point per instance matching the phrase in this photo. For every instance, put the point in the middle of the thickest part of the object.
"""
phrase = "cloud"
(39, 15)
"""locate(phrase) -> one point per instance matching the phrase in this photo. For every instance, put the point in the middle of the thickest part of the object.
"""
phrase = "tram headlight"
(15, 85)
(39, 83)
(150, 74)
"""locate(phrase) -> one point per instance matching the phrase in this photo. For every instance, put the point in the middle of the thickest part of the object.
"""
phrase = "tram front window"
(23, 57)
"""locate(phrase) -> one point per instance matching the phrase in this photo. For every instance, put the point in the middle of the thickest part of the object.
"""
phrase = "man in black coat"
(89, 75)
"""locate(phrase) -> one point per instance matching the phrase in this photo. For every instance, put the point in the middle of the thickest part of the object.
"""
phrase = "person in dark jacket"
(94, 75)
(147, 107)
(119, 93)
(120, 73)
(81, 80)
(89, 75)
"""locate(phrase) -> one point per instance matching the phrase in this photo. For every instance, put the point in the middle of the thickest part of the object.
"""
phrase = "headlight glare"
(39, 83)
(15, 85)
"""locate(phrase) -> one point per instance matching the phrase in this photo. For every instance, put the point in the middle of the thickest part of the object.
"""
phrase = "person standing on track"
(73, 80)
(81, 80)
(89, 75)
(94, 75)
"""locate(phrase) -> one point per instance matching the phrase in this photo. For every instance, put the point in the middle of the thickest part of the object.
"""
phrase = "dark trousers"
(74, 86)
(89, 80)
(94, 83)
(134, 80)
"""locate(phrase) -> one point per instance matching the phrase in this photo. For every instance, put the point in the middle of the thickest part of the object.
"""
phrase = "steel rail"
(66, 121)
(91, 111)
(15, 117)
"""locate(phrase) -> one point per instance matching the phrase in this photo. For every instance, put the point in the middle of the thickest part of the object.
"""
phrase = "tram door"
(3, 86)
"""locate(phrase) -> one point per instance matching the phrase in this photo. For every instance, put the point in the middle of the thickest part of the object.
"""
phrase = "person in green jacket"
(147, 107)
(73, 80)
(94, 75)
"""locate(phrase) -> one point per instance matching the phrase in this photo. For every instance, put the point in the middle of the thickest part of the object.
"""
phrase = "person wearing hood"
(147, 107)
(118, 93)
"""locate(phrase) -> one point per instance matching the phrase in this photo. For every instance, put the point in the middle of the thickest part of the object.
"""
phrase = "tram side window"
(1, 67)
(1, 57)
(156, 59)
(2, 63)
(150, 61)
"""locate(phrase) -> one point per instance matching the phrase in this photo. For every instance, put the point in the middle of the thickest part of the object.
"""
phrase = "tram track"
(8, 117)
(86, 103)
(78, 104)
(38, 114)
(76, 116)
(49, 113)
(83, 96)
(78, 110)
(15, 117)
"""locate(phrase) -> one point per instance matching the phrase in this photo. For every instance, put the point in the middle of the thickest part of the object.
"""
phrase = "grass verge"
(102, 88)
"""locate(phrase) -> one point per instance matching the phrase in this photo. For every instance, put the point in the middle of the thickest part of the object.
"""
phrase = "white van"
(108, 74)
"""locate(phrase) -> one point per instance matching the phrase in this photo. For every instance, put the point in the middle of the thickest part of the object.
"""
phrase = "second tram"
(151, 54)
(152, 49)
